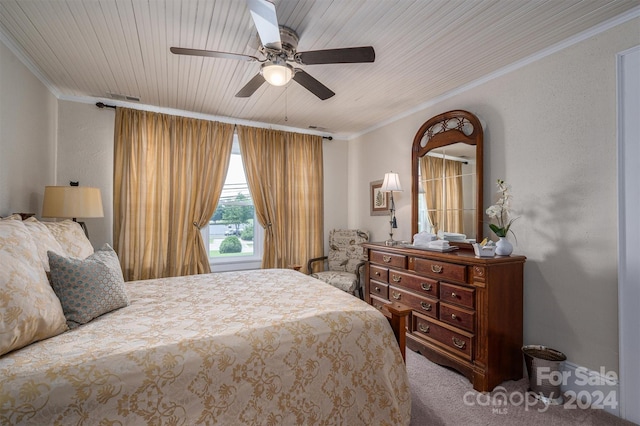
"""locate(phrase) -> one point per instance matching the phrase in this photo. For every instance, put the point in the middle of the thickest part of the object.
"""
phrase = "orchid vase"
(504, 247)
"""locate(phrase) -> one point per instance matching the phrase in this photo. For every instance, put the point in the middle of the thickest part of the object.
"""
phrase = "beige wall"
(550, 132)
(27, 137)
(85, 154)
(335, 155)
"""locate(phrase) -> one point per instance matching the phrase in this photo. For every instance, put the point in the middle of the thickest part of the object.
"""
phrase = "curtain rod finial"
(103, 105)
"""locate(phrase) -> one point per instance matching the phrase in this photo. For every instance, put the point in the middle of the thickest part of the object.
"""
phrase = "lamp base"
(391, 242)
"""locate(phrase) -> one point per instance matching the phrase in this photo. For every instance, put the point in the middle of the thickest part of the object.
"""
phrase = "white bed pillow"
(71, 237)
(29, 309)
(44, 239)
(15, 216)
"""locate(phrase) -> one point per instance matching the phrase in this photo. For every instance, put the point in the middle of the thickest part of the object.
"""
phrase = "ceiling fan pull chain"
(286, 105)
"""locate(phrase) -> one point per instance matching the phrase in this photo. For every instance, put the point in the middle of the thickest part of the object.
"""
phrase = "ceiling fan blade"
(250, 88)
(212, 54)
(264, 17)
(312, 85)
(347, 55)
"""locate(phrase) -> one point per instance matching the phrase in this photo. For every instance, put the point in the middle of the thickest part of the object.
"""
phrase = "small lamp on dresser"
(72, 202)
(391, 183)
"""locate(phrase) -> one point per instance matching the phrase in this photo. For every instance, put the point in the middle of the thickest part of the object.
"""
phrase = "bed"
(268, 347)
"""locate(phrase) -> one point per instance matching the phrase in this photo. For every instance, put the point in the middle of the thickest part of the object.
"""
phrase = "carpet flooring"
(441, 396)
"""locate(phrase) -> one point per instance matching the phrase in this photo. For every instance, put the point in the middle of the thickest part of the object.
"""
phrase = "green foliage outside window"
(231, 245)
(247, 233)
(237, 212)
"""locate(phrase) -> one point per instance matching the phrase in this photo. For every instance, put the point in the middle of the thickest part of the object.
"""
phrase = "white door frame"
(628, 70)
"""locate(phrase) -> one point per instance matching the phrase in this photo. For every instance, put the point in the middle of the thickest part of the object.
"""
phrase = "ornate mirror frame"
(440, 131)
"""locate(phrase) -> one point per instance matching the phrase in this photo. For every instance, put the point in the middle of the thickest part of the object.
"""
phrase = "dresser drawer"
(423, 286)
(378, 303)
(378, 273)
(458, 317)
(459, 343)
(463, 296)
(424, 305)
(378, 289)
(383, 258)
(441, 270)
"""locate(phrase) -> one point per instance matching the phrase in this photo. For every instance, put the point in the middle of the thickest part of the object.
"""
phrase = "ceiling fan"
(279, 45)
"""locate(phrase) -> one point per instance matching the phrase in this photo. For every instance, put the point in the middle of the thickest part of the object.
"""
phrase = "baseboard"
(583, 388)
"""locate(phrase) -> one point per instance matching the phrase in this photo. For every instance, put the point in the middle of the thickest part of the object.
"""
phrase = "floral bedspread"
(265, 347)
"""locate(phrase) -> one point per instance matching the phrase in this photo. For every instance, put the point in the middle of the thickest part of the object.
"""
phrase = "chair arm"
(358, 266)
(315, 259)
(358, 283)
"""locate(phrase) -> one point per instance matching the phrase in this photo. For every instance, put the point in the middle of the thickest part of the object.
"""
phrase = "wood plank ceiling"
(100, 49)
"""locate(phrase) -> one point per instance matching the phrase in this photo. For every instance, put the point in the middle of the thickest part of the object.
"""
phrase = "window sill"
(239, 264)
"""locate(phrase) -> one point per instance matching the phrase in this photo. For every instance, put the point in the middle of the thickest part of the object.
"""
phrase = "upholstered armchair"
(344, 260)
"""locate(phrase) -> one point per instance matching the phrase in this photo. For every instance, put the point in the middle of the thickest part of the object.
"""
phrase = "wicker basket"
(536, 356)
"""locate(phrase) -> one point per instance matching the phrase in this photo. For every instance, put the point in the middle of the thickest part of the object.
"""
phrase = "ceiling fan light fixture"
(277, 73)
(278, 45)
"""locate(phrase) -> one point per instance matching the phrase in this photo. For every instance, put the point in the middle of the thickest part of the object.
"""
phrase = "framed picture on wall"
(379, 199)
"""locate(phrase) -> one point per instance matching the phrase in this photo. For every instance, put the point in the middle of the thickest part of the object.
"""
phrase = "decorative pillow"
(88, 288)
(45, 240)
(71, 237)
(29, 309)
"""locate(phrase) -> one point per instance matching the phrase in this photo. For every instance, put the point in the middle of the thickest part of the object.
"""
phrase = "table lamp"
(391, 183)
(72, 202)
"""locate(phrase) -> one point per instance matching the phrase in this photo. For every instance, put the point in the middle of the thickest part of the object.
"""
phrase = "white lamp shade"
(277, 74)
(391, 183)
(72, 202)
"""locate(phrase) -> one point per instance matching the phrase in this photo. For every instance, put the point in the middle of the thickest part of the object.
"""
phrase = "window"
(234, 236)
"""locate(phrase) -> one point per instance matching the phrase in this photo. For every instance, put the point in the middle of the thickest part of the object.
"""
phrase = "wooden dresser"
(466, 311)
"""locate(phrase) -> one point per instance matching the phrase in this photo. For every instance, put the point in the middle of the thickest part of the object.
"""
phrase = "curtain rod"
(103, 105)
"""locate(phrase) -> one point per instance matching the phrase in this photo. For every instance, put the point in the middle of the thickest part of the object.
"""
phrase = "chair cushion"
(345, 281)
(345, 250)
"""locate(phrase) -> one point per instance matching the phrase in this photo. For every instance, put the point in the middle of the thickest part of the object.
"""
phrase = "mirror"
(446, 189)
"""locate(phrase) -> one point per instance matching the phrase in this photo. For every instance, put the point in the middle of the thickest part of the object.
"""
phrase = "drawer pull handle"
(423, 328)
(377, 274)
(436, 268)
(454, 295)
(378, 306)
(425, 306)
(453, 316)
(377, 289)
(395, 295)
(396, 278)
(386, 259)
(458, 343)
(425, 286)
